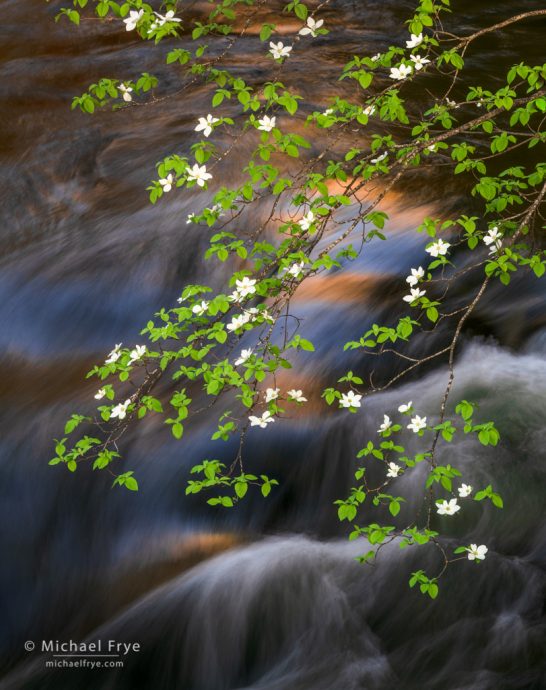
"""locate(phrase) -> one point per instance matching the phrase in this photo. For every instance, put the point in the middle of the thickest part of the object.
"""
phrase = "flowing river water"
(267, 596)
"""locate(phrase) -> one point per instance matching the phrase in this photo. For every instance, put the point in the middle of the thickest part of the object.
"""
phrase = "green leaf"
(483, 437)
(487, 189)
(365, 79)
(266, 31)
(432, 314)
(346, 512)
(497, 501)
(301, 11)
(241, 488)
(177, 430)
(131, 484)
(539, 269)
(217, 99)
(72, 423)
(306, 345)
(394, 508)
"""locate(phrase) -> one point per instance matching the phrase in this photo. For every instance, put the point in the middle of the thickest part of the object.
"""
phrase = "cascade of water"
(83, 259)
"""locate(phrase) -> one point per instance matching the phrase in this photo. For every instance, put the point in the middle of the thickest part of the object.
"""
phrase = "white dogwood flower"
(245, 354)
(267, 123)
(217, 208)
(271, 394)
(132, 20)
(167, 183)
(386, 424)
(417, 274)
(493, 235)
(311, 28)
(493, 239)
(417, 423)
(418, 61)
(200, 308)
(307, 220)
(447, 507)
(296, 396)
(380, 158)
(400, 72)
(126, 92)
(405, 407)
(477, 553)
(137, 353)
(376, 57)
(254, 314)
(279, 50)
(245, 286)
(199, 174)
(238, 322)
(350, 399)
(190, 218)
(296, 270)
(120, 410)
(415, 294)
(438, 248)
(263, 421)
(99, 395)
(114, 355)
(205, 124)
(167, 17)
(464, 490)
(415, 40)
(369, 110)
(394, 470)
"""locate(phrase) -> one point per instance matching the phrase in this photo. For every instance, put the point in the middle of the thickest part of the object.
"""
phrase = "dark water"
(267, 596)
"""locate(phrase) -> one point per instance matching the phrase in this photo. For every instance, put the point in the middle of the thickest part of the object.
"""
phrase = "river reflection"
(85, 260)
